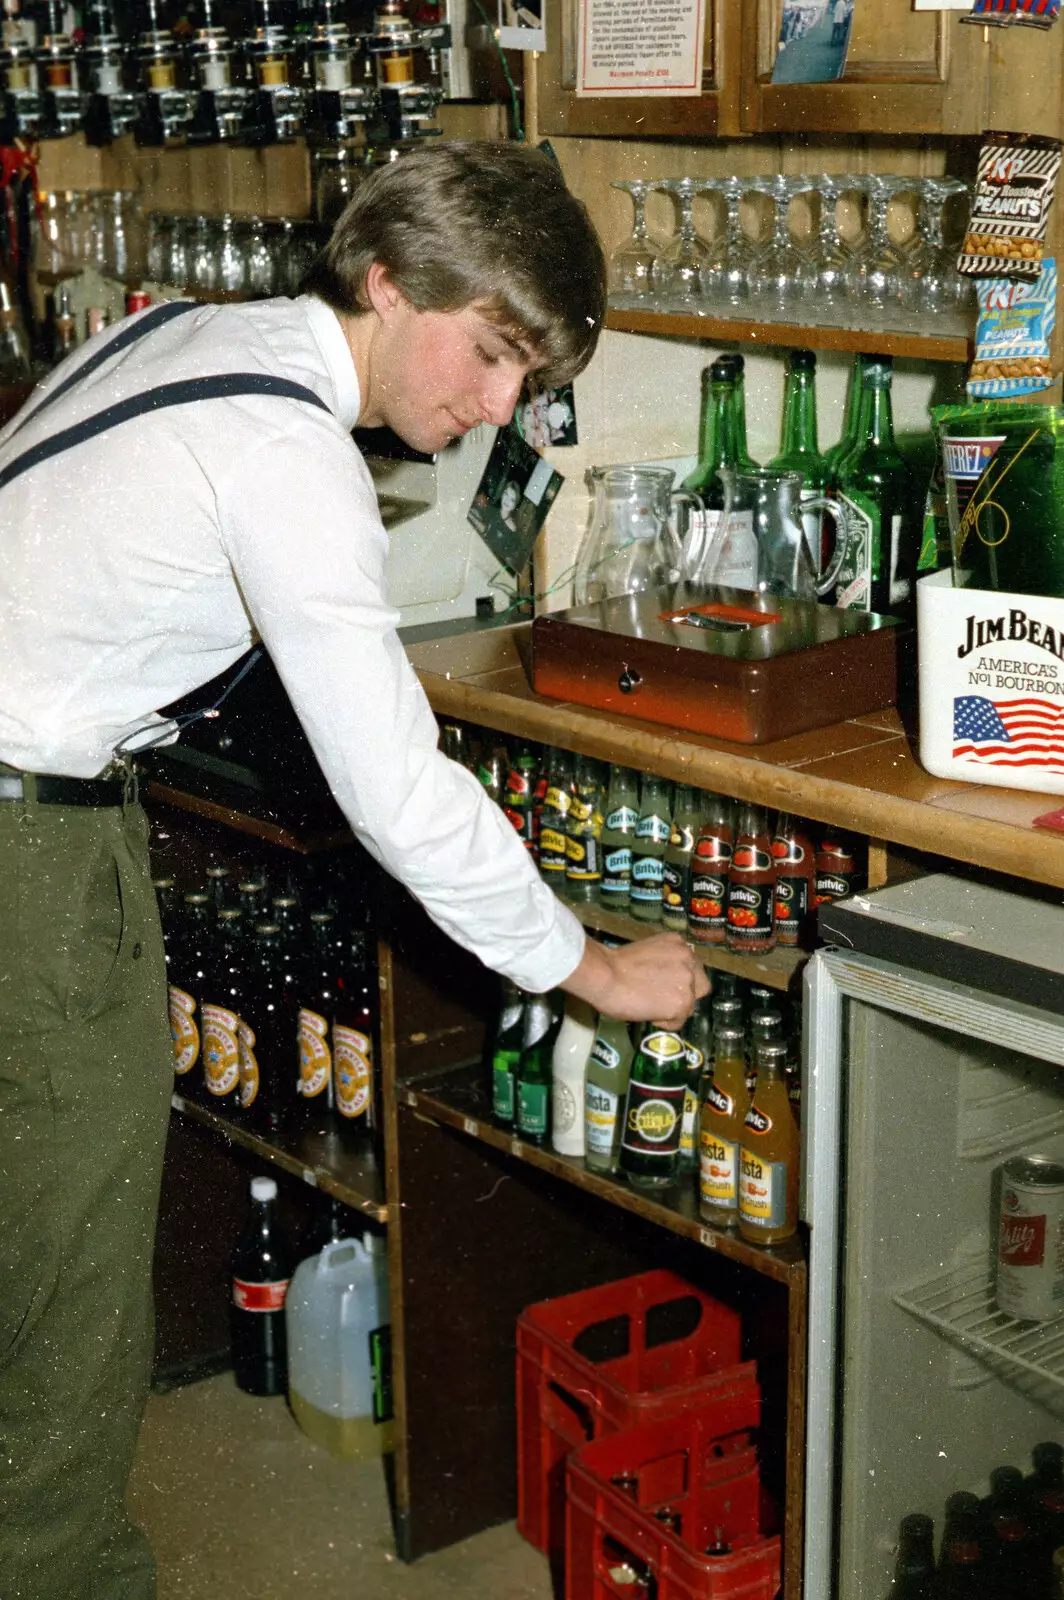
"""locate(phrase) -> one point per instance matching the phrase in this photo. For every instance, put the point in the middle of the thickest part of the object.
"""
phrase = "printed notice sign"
(641, 47)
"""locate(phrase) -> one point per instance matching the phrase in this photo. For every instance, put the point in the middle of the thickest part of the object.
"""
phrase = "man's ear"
(380, 289)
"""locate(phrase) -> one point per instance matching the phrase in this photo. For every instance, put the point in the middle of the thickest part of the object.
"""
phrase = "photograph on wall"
(548, 417)
(515, 492)
(814, 38)
(521, 25)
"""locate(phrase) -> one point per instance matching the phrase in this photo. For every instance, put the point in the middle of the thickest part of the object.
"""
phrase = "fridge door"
(919, 1087)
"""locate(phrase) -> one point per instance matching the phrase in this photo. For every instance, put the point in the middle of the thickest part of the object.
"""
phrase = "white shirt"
(135, 566)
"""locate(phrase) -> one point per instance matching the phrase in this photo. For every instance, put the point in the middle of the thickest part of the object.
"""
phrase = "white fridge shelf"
(960, 1305)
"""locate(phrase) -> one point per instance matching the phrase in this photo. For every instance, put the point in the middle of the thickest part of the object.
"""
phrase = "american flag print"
(1028, 732)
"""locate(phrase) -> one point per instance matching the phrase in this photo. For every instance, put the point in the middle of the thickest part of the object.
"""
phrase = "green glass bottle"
(676, 865)
(653, 1113)
(583, 872)
(698, 1042)
(836, 454)
(722, 443)
(506, 1054)
(799, 446)
(554, 819)
(618, 834)
(533, 1072)
(882, 514)
(746, 460)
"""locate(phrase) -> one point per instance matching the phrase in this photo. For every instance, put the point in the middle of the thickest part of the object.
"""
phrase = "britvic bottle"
(186, 972)
(795, 864)
(750, 900)
(554, 820)
(261, 1268)
(648, 853)
(533, 1073)
(721, 1121)
(605, 1094)
(676, 865)
(882, 518)
(220, 1010)
(583, 872)
(618, 834)
(506, 1055)
(517, 795)
(650, 1142)
(707, 906)
(768, 1159)
(914, 1569)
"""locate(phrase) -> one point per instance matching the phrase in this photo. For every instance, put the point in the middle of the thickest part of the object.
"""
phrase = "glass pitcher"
(631, 543)
(761, 540)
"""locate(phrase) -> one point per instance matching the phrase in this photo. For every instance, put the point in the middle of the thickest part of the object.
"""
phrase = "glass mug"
(762, 537)
(631, 543)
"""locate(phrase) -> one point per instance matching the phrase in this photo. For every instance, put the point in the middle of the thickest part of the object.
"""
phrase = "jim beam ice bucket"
(991, 629)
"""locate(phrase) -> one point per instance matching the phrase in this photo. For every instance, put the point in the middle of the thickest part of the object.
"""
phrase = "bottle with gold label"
(676, 865)
(583, 872)
(698, 1041)
(354, 1033)
(318, 996)
(554, 820)
(724, 1107)
(186, 972)
(769, 1155)
(221, 1005)
(653, 1115)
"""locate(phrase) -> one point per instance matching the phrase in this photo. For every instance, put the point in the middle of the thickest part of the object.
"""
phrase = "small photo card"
(515, 493)
(521, 25)
(814, 38)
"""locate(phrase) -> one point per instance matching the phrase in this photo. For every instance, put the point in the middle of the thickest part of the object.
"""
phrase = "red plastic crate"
(691, 1467)
(565, 1397)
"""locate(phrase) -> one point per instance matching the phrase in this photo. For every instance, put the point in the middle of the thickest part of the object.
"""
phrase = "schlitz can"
(1030, 1260)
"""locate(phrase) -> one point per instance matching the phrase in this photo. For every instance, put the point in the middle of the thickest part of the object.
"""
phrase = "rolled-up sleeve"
(300, 526)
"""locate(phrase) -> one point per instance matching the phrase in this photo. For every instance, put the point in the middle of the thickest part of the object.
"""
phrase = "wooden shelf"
(775, 970)
(458, 1099)
(350, 1176)
(686, 325)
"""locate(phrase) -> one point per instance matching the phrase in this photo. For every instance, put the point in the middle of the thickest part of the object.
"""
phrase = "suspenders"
(220, 386)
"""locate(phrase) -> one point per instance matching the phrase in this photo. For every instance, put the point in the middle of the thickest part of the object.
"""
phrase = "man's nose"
(499, 396)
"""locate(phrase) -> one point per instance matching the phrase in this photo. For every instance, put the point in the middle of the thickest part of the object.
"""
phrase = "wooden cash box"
(745, 667)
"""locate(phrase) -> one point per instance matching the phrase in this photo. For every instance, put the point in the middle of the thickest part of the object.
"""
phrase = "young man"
(143, 543)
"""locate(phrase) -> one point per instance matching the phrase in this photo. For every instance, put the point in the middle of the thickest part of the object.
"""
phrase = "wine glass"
(676, 274)
(935, 288)
(875, 272)
(725, 276)
(632, 263)
(830, 256)
(782, 275)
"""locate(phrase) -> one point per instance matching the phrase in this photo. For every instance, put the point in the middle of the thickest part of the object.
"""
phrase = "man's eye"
(487, 357)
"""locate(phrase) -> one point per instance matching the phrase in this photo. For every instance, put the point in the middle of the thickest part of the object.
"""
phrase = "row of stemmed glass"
(872, 282)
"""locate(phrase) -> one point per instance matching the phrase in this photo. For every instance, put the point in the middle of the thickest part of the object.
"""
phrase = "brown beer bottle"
(750, 927)
(792, 852)
(221, 1004)
(768, 1159)
(710, 862)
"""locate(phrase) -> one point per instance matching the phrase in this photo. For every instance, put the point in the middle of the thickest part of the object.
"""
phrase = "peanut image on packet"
(1012, 335)
(1013, 192)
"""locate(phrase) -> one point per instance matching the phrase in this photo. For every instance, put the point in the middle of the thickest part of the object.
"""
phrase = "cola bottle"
(261, 1267)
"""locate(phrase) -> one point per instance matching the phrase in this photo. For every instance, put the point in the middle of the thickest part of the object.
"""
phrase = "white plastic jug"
(339, 1366)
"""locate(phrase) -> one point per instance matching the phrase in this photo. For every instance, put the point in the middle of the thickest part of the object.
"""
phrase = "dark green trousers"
(85, 1080)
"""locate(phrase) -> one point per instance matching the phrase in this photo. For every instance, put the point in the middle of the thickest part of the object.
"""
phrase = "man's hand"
(650, 980)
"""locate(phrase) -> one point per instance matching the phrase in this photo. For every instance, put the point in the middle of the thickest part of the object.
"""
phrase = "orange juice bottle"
(769, 1154)
(721, 1130)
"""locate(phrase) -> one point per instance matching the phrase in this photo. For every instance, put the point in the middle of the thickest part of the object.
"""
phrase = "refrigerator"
(934, 1049)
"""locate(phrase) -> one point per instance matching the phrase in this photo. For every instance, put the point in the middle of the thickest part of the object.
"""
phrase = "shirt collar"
(329, 335)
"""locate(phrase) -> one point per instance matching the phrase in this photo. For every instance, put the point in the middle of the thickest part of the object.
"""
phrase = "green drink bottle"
(583, 872)
(605, 1094)
(676, 864)
(506, 1055)
(533, 1072)
(882, 518)
(836, 453)
(618, 835)
(722, 443)
(799, 447)
(653, 1113)
(554, 819)
(746, 460)
(652, 834)
(698, 1040)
